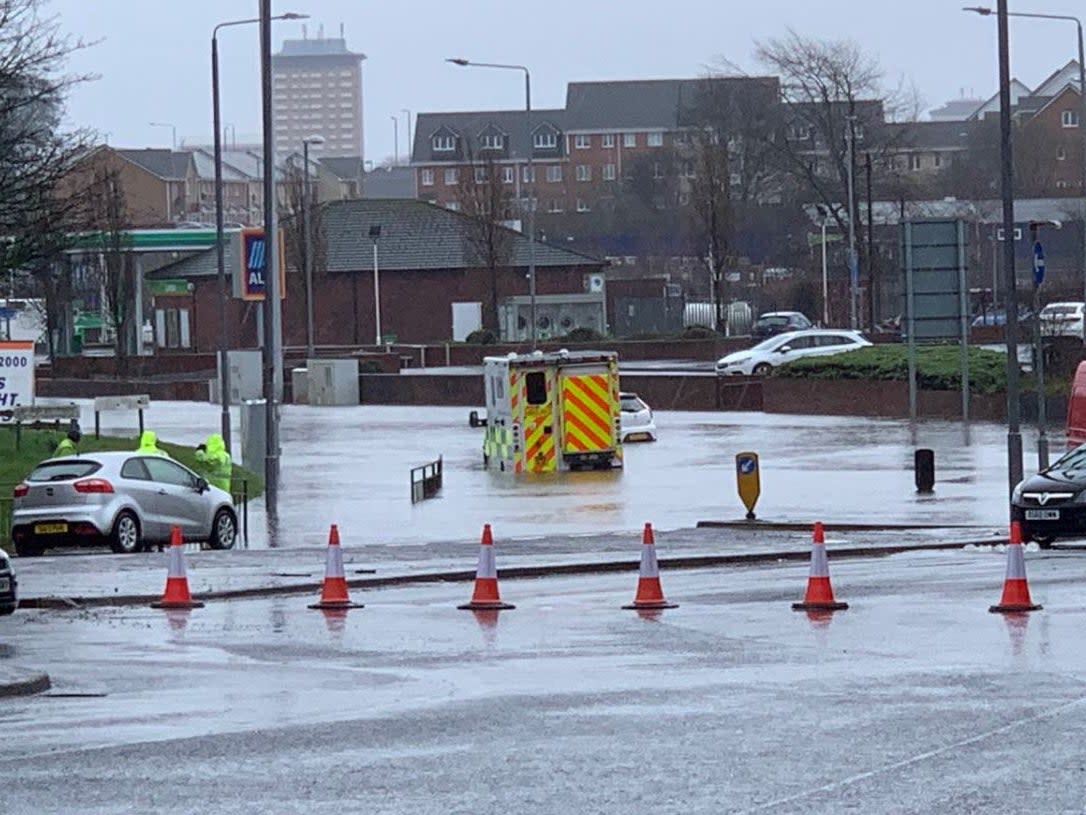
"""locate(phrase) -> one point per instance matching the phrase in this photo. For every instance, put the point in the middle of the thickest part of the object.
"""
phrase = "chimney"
(305, 33)
(342, 35)
(320, 31)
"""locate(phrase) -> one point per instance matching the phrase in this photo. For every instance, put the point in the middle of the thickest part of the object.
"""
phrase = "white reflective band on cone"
(649, 567)
(1016, 562)
(487, 567)
(333, 563)
(820, 565)
(176, 566)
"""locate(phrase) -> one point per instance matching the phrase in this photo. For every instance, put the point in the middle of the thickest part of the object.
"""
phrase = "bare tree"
(293, 197)
(708, 174)
(485, 199)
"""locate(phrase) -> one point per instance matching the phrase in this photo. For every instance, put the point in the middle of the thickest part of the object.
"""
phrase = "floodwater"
(351, 466)
(916, 699)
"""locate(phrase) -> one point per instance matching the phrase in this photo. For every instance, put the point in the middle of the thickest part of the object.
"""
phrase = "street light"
(464, 63)
(307, 263)
(220, 249)
(985, 12)
(853, 270)
(825, 280)
(395, 140)
(1010, 304)
(375, 233)
(173, 131)
(410, 144)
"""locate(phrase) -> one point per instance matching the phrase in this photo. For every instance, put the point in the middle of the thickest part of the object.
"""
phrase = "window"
(554, 173)
(914, 161)
(688, 170)
(481, 175)
(657, 170)
(535, 387)
(509, 175)
(554, 205)
(135, 468)
(444, 144)
(584, 172)
(629, 140)
(799, 132)
(528, 175)
(427, 178)
(1062, 185)
(655, 140)
(453, 206)
(165, 471)
(582, 206)
(545, 140)
(1061, 154)
(452, 177)
(937, 160)
(582, 141)
(608, 139)
(492, 141)
(608, 172)
(1069, 118)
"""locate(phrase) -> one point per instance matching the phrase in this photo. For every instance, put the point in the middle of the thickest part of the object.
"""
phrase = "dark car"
(8, 584)
(777, 322)
(1052, 503)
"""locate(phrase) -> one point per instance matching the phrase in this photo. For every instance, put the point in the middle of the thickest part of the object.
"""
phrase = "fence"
(426, 481)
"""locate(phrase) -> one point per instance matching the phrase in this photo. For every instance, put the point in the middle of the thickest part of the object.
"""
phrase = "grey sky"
(153, 58)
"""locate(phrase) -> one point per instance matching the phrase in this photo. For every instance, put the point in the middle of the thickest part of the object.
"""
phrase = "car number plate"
(5, 585)
(1042, 514)
(50, 529)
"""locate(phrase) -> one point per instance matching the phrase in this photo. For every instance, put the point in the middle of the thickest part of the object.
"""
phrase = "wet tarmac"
(916, 699)
(351, 466)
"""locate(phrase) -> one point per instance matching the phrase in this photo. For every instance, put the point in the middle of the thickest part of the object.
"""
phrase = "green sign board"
(165, 287)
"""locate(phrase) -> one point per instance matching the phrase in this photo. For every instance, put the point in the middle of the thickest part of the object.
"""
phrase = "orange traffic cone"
(176, 594)
(650, 594)
(1015, 588)
(819, 596)
(334, 590)
(486, 597)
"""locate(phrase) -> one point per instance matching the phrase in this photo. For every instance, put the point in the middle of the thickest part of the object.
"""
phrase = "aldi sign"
(252, 277)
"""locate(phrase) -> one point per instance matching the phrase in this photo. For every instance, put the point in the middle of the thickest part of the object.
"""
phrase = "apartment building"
(317, 90)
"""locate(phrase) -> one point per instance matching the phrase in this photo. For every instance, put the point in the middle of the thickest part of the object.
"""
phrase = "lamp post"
(395, 140)
(1010, 303)
(985, 12)
(464, 63)
(220, 249)
(173, 131)
(853, 272)
(825, 278)
(410, 144)
(375, 233)
(307, 262)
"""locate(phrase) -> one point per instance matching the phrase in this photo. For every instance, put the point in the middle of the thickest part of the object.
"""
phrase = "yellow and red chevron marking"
(515, 383)
(587, 413)
(539, 454)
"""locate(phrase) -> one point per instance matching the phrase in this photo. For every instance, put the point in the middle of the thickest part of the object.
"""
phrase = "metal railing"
(426, 481)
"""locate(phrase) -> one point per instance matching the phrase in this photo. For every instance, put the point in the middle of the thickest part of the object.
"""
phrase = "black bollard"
(924, 468)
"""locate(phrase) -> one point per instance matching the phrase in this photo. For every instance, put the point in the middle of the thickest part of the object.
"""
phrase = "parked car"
(990, 318)
(124, 499)
(1062, 319)
(638, 423)
(1052, 503)
(778, 322)
(776, 351)
(9, 599)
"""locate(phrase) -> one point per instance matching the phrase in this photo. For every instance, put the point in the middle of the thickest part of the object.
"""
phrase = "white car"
(636, 418)
(1062, 319)
(784, 348)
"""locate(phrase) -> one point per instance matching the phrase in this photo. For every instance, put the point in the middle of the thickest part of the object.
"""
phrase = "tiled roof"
(513, 123)
(389, 182)
(348, 168)
(415, 236)
(172, 164)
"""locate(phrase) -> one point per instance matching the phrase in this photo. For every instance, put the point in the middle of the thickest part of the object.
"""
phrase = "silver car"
(124, 499)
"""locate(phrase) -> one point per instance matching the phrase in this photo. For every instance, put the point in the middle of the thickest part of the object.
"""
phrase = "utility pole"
(872, 288)
(853, 271)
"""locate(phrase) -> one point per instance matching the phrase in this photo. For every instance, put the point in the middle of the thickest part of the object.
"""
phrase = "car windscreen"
(770, 344)
(64, 470)
(774, 320)
(631, 404)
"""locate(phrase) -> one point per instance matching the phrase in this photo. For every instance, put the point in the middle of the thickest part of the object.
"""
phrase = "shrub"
(581, 334)
(481, 336)
(698, 332)
(938, 367)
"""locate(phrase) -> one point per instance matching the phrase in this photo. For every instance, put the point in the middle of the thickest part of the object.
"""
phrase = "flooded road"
(351, 466)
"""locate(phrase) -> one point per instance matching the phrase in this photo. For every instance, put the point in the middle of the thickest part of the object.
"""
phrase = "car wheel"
(762, 369)
(224, 530)
(27, 549)
(125, 537)
(1044, 541)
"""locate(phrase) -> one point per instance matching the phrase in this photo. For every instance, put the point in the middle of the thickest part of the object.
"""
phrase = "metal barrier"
(426, 481)
(241, 502)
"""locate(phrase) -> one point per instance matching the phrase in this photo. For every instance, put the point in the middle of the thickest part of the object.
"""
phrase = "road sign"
(254, 263)
(16, 373)
(1038, 263)
(748, 480)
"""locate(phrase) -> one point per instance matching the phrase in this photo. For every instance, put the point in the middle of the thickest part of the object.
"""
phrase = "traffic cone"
(486, 597)
(650, 594)
(819, 596)
(1015, 587)
(334, 590)
(176, 594)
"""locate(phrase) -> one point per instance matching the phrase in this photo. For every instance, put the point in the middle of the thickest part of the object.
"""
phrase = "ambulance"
(552, 412)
